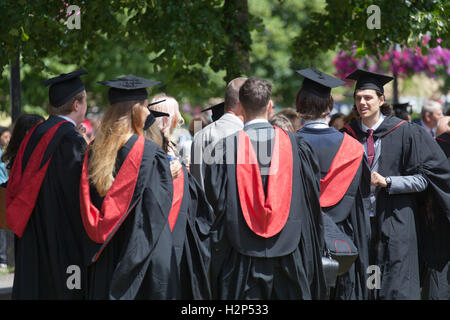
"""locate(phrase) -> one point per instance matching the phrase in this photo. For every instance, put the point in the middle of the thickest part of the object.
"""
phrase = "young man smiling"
(403, 161)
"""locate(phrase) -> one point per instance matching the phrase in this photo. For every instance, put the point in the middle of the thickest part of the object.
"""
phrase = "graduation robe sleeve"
(434, 205)
(192, 230)
(315, 236)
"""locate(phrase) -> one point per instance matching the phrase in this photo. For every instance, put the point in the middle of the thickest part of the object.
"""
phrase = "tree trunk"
(15, 88)
(236, 18)
(395, 83)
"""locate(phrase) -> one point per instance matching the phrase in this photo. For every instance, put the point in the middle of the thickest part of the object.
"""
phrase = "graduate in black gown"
(435, 241)
(404, 161)
(267, 239)
(43, 199)
(443, 135)
(125, 198)
(190, 219)
(340, 160)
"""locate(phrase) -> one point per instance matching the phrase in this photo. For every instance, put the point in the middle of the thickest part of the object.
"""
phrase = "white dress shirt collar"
(375, 127)
(320, 123)
(68, 119)
(255, 121)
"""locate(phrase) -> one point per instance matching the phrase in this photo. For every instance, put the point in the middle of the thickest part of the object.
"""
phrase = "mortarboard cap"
(217, 110)
(401, 106)
(318, 83)
(128, 88)
(64, 87)
(369, 80)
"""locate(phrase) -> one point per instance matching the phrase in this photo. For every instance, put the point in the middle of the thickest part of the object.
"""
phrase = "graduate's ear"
(75, 105)
(382, 99)
(78, 102)
(269, 108)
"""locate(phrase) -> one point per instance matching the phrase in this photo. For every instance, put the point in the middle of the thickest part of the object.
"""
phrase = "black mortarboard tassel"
(217, 110)
(128, 88)
(64, 87)
(369, 80)
(153, 115)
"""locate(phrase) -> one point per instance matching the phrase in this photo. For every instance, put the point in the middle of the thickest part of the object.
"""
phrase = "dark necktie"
(370, 147)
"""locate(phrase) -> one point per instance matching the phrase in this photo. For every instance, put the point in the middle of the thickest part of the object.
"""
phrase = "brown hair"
(311, 106)
(255, 95)
(201, 118)
(66, 108)
(282, 121)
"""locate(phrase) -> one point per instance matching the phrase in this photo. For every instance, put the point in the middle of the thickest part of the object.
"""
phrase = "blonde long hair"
(120, 121)
(171, 107)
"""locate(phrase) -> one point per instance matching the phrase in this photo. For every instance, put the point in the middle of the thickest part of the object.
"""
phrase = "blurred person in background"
(5, 135)
(337, 121)
(430, 115)
(170, 124)
(21, 127)
(294, 117)
(282, 122)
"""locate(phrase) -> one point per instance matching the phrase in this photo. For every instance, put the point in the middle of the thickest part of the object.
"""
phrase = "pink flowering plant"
(402, 61)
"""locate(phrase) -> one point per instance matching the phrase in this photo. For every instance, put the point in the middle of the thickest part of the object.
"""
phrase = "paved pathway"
(6, 283)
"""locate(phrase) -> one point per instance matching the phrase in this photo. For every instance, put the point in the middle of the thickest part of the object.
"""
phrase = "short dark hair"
(311, 106)
(255, 95)
(66, 108)
(232, 93)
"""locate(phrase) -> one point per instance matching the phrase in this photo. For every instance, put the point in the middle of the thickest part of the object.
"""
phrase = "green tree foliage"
(171, 41)
(344, 22)
(271, 56)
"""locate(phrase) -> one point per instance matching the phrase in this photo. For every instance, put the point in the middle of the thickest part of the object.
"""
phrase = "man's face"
(368, 103)
(82, 109)
(433, 117)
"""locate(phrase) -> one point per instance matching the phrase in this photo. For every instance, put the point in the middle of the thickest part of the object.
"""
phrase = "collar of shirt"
(68, 119)
(317, 123)
(255, 121)
(375, 127)
(432, 132)
(231, 116)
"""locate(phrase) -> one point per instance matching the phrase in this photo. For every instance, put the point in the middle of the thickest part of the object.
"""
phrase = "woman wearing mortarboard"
(126, 195)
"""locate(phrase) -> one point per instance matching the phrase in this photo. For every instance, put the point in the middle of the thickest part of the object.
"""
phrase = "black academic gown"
(435, 242)
(191, 240)
(444, 142)
(49, 255)
(348, 214)
(406, 149)
(137, 260)
(245, 265)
